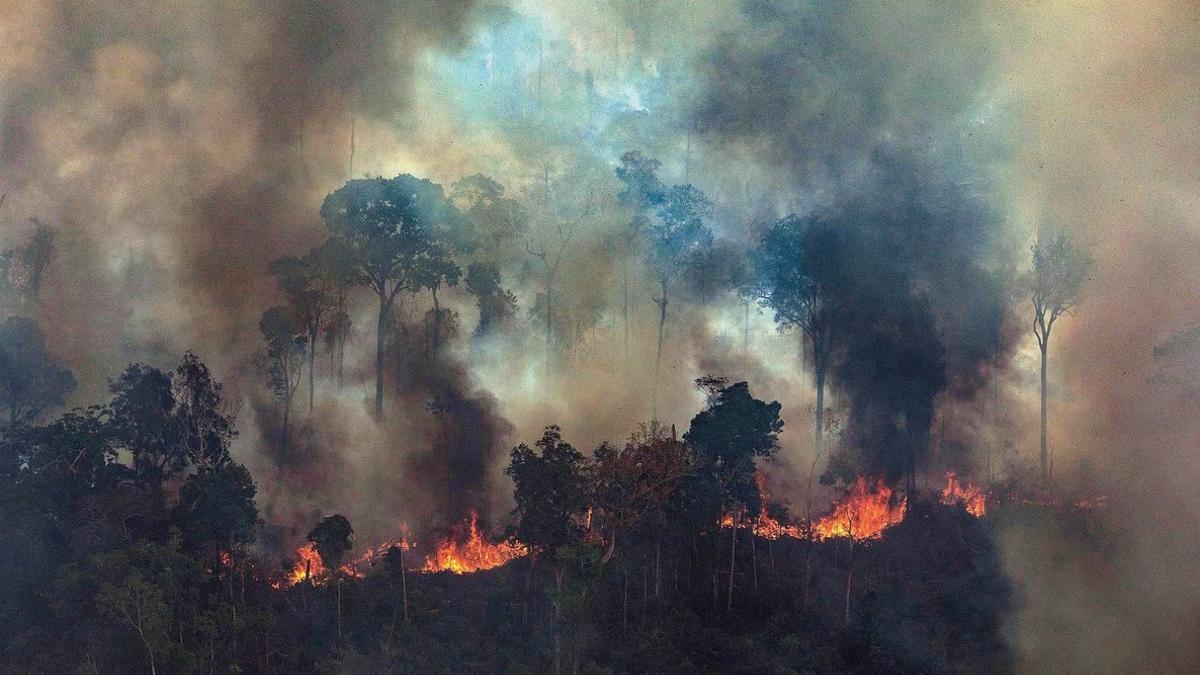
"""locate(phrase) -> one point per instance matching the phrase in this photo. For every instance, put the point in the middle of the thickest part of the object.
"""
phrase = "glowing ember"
(971, 497)
(472, 553)
(864, 512)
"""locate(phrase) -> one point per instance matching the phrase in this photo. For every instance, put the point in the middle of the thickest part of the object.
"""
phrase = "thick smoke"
(864, 144)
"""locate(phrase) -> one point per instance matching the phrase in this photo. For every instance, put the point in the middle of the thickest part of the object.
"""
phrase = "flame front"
(864, 513)
(973, 498)
(471, 554)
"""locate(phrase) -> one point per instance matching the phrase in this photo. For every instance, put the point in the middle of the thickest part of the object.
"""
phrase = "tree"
(795, 275)
(31, 381)
(286, 349)
(678, 236)
(552, 490)
(333, 538)
(1060, 268)
(205, 415)
(728, 435)
(216, 509)
(310, 285)
(547, 237)
(497, 305)
(145, 425)
(641, 192)
(388, 227)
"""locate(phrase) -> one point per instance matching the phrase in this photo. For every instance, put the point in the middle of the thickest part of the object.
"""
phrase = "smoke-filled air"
(461, 336)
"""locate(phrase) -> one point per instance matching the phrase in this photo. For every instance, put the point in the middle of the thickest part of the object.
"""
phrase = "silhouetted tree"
(552, 490)
(31, 381)
(285, 351)
(796, 264)
(1060, 268)
(497, 305)
(310, 285)
(145, 425)
(333, 538)
(729, 435)
(388, 226)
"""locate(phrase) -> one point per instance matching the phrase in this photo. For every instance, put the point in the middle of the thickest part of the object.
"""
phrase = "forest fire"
(472, 553)
(308, 566)
(765, 526)
(973, 498)
(464, 551)
(868, 509)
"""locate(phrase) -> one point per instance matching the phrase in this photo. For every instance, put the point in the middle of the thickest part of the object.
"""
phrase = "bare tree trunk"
(1044, 452)
(558, 579)
(404, 586)
(754, 558)
(662, 323)
(380, 332)
(849, 577)
(312, 358)
(657, 566)
(732, 560)
(339, 611)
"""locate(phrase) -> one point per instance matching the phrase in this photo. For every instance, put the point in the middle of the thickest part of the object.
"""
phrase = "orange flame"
(471, 554)
(973, 498)
(864, 512)
(765, 526)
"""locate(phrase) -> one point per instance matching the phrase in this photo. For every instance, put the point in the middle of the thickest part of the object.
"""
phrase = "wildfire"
(765, 526)
(472, 553)
(864, 513)
(973, 498)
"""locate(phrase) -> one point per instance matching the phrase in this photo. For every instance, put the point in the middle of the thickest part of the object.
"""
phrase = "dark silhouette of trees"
(497, 305)
(333, 538)
(796, 264)
(388, 225)
(286, 348)
(552, 491)
(1060, 268)
(31, 381)
(728, 436)
(311, 285)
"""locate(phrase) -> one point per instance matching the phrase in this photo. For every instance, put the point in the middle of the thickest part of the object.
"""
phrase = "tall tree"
(678, 238)
(729, 435)
(1060, 268)
(287, 346)
(795, 275)
(310, 284)
(388, 226)
(547, 235)
(31, 380)
(641, 192)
